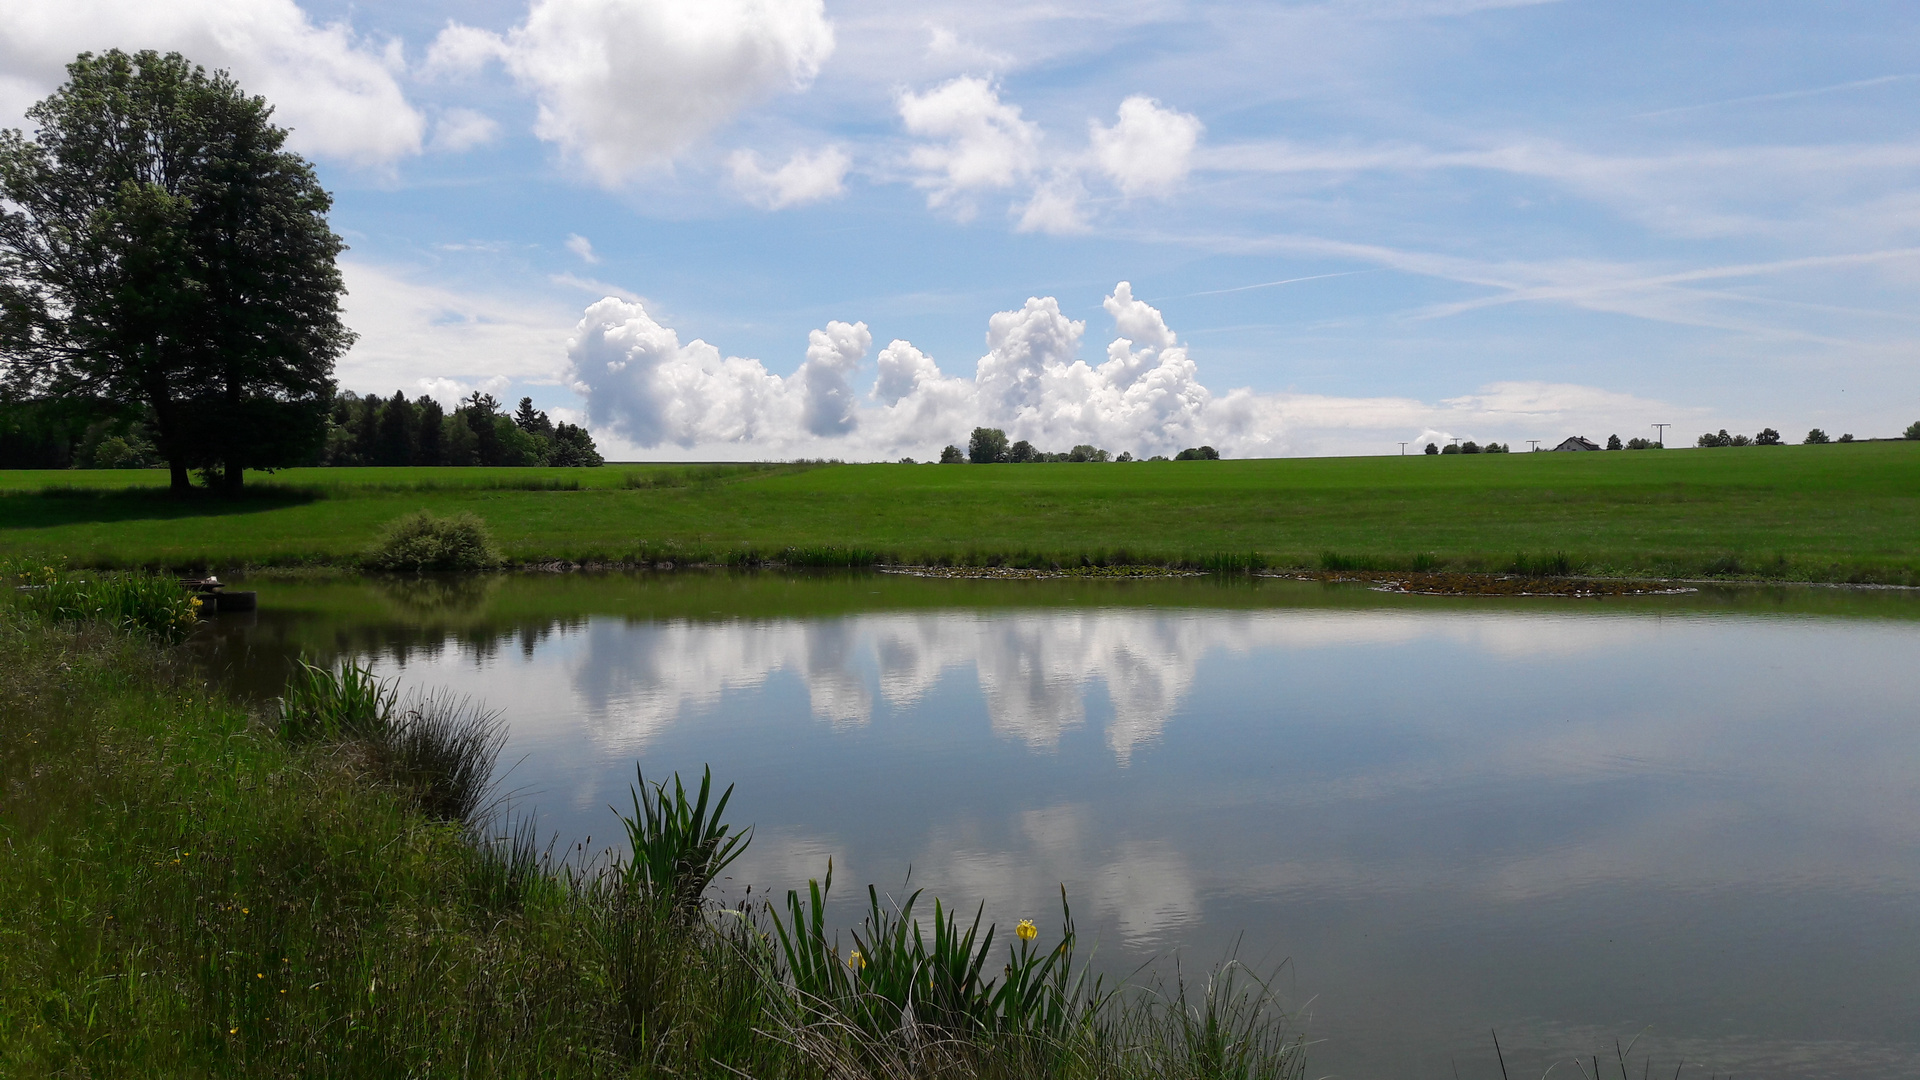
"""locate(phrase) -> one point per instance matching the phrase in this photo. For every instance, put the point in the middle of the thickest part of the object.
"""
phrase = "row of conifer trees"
(372, 430)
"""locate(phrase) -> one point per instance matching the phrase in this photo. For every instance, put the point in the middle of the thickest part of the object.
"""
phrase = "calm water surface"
(1697, 817)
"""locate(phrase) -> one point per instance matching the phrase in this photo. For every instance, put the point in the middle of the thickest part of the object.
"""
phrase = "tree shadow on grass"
(55, 506)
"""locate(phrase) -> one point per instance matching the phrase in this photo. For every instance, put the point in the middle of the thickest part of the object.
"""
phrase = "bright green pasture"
(1834, 512)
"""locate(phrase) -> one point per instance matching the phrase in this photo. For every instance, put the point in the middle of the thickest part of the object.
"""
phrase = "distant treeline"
(369, 430)
(372, 430)
(989, 446)
(1770, 437)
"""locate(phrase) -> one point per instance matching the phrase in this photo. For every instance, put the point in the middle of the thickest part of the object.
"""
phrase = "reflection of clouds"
(1034, 669)
(1146, 889)
(787, 857)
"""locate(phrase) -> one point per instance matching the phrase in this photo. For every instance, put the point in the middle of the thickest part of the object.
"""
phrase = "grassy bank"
(1818, 513)
(190, 890)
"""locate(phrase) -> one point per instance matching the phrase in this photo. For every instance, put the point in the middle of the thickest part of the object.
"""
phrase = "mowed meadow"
(1821, 513)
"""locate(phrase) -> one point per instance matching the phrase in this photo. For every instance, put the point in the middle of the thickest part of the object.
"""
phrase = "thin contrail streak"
(1785, 95)
(1267, 284)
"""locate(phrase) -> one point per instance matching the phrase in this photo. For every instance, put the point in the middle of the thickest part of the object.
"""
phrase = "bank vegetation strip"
(190, 888)
(1816, 513)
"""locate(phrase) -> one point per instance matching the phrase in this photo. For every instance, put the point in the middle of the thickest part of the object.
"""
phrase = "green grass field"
(1822, 513)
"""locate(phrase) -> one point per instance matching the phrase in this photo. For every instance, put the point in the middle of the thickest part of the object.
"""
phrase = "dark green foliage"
(481, 413)
(443, 749)
(986, 446)
(440, 749)
(679, 846)
(532, 420)
(1450, 448)
(1767, 437)
(1021, 452)
(952, 455)
(1613, 442)
(1847, 437)
(134, 602)
(1913, 430)
(1198, 453)
(160, 250)
(393, 445)
(573, 446)
(515, 446)
(1722, 566)
(1335, 561)
(320, 704)
(429, 421)
(1432, 448)
(49, 433)
(1816, 437)
(116, 444)
(370, 431)
(1558, 564)
(1722, 439)
(1469, 447)
(1643, 444)
(422, 541)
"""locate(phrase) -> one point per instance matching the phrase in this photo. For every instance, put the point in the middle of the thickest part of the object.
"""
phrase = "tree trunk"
(231, 478)
(167, 437)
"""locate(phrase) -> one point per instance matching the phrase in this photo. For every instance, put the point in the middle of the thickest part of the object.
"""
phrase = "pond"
(1695, 816)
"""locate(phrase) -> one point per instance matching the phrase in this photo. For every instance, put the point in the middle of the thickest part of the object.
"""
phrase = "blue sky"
(768, 228)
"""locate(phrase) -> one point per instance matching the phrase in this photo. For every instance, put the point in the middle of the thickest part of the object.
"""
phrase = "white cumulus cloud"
(806, 177)
(1149, 149)
(337, 91)
(624, 86)
(1143, 394)
(974, 142)
(982, 142)
(653, 391)
(827, 396)
(463, 129)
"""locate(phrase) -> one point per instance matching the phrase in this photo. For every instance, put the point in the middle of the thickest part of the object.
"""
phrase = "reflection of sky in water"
(1571, 825)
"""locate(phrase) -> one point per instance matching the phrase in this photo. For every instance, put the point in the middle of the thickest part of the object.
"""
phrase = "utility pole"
(1533, 445)
(1662, 440)
(1403, 449)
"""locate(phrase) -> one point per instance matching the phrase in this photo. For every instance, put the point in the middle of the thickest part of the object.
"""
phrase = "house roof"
(1577, 443)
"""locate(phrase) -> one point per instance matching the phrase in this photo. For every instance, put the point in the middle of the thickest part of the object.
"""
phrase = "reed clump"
(153, 605)
(440, 748)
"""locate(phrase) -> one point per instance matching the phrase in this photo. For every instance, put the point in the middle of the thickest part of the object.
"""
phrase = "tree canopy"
(161, 253)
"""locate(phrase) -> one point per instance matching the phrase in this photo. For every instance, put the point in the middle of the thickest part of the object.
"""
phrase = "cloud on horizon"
(648, 390)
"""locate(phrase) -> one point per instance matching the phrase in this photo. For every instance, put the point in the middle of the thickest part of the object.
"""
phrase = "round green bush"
(422, 541)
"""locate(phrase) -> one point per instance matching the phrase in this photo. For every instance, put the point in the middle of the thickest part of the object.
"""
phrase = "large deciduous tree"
(161, 251)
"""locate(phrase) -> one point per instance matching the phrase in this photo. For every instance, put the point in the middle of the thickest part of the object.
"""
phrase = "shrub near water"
(422, 541)
(151, 604)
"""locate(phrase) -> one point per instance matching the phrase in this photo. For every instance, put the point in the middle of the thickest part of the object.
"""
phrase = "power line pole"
(1403, 449)
(1662, 440)
(1533, 445)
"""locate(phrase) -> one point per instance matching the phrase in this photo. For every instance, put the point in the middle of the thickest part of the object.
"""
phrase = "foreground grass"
(1818, 513)
(185, 893)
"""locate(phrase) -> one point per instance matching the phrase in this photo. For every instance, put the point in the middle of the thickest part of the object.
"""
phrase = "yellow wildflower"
(1026, 930)
(856, 961)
